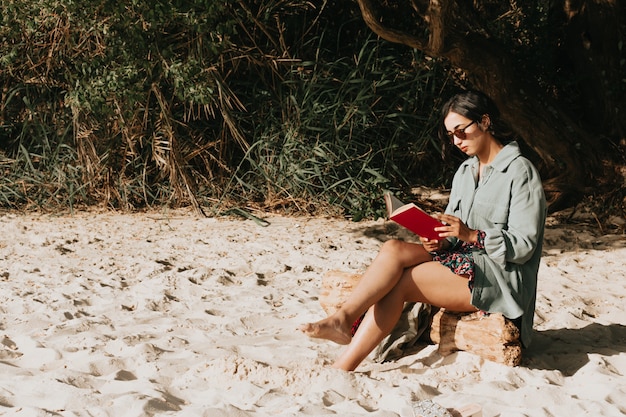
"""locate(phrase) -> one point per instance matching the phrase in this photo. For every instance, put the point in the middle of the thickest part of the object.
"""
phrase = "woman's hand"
(456, 228)
(432, 245)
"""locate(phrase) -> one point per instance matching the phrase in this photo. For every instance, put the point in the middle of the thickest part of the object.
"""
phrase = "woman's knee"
(392, 246)
(392, 250)
(406, 254)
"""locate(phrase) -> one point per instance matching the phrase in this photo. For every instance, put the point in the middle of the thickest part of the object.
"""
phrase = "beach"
(169, 313)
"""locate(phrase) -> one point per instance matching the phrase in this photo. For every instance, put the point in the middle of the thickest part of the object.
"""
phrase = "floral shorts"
(460, 260)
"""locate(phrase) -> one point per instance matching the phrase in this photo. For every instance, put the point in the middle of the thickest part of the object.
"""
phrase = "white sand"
(168, 314)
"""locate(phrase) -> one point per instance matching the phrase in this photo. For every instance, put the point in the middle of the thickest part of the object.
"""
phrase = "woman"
(488, 253)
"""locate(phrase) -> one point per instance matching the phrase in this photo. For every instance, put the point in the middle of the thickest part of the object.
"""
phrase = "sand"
(166, 313)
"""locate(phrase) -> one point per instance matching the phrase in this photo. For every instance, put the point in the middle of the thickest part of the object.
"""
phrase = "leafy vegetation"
(214, 104)
(277, 105)
(339, 132)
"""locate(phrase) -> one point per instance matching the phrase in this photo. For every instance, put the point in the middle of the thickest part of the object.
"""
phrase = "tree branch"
(372, 19)
(490, 67)
(436, 18)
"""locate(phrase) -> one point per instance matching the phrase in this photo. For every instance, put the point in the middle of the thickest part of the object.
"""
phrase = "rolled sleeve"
(526, 218)
(495, 246)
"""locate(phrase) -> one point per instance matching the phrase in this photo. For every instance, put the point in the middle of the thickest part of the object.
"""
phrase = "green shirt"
(509, 205)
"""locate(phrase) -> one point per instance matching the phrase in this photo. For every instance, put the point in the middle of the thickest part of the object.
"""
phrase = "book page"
(392, 203)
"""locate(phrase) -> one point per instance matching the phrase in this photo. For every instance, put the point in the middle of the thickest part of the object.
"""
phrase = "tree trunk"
(566, 154)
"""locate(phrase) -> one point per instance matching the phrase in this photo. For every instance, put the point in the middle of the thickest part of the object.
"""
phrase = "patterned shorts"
(460, 259)
(461, 263)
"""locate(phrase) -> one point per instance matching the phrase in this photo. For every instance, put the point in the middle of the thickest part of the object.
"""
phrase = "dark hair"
(474, 105)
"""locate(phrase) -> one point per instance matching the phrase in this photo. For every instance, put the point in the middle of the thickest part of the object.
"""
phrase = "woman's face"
(465, 134)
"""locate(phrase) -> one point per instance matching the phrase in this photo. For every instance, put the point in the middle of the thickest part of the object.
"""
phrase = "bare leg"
(430, 283)
(380, 278)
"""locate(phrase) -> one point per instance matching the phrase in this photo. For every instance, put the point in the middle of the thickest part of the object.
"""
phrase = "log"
(493, 337)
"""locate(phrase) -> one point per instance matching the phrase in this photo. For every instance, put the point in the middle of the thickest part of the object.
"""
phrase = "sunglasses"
(459, 133)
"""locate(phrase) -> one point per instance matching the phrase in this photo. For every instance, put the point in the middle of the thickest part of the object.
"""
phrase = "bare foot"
(329, 329)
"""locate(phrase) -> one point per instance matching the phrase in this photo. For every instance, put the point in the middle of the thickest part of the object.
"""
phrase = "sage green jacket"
(508, 204)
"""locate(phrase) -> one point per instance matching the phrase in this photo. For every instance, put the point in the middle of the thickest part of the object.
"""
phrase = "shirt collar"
(508, 154)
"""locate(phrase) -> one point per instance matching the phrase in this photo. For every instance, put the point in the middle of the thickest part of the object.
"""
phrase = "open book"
(412, 217)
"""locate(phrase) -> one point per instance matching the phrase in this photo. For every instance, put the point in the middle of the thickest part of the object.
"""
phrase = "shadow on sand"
(568, 350)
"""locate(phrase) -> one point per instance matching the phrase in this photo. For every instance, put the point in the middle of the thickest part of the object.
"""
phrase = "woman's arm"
(526, 218)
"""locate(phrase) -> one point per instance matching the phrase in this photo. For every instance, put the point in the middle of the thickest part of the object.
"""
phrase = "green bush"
(214, 104)
(340, 132)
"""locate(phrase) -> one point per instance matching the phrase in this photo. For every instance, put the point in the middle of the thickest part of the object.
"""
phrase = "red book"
(412, 217)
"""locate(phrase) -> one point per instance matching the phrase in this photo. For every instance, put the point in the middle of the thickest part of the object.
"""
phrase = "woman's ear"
(485, 122)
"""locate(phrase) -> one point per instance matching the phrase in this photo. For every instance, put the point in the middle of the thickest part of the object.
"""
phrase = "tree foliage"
(556, 69)
(117, 88)
(287, 104)
(273, 104)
